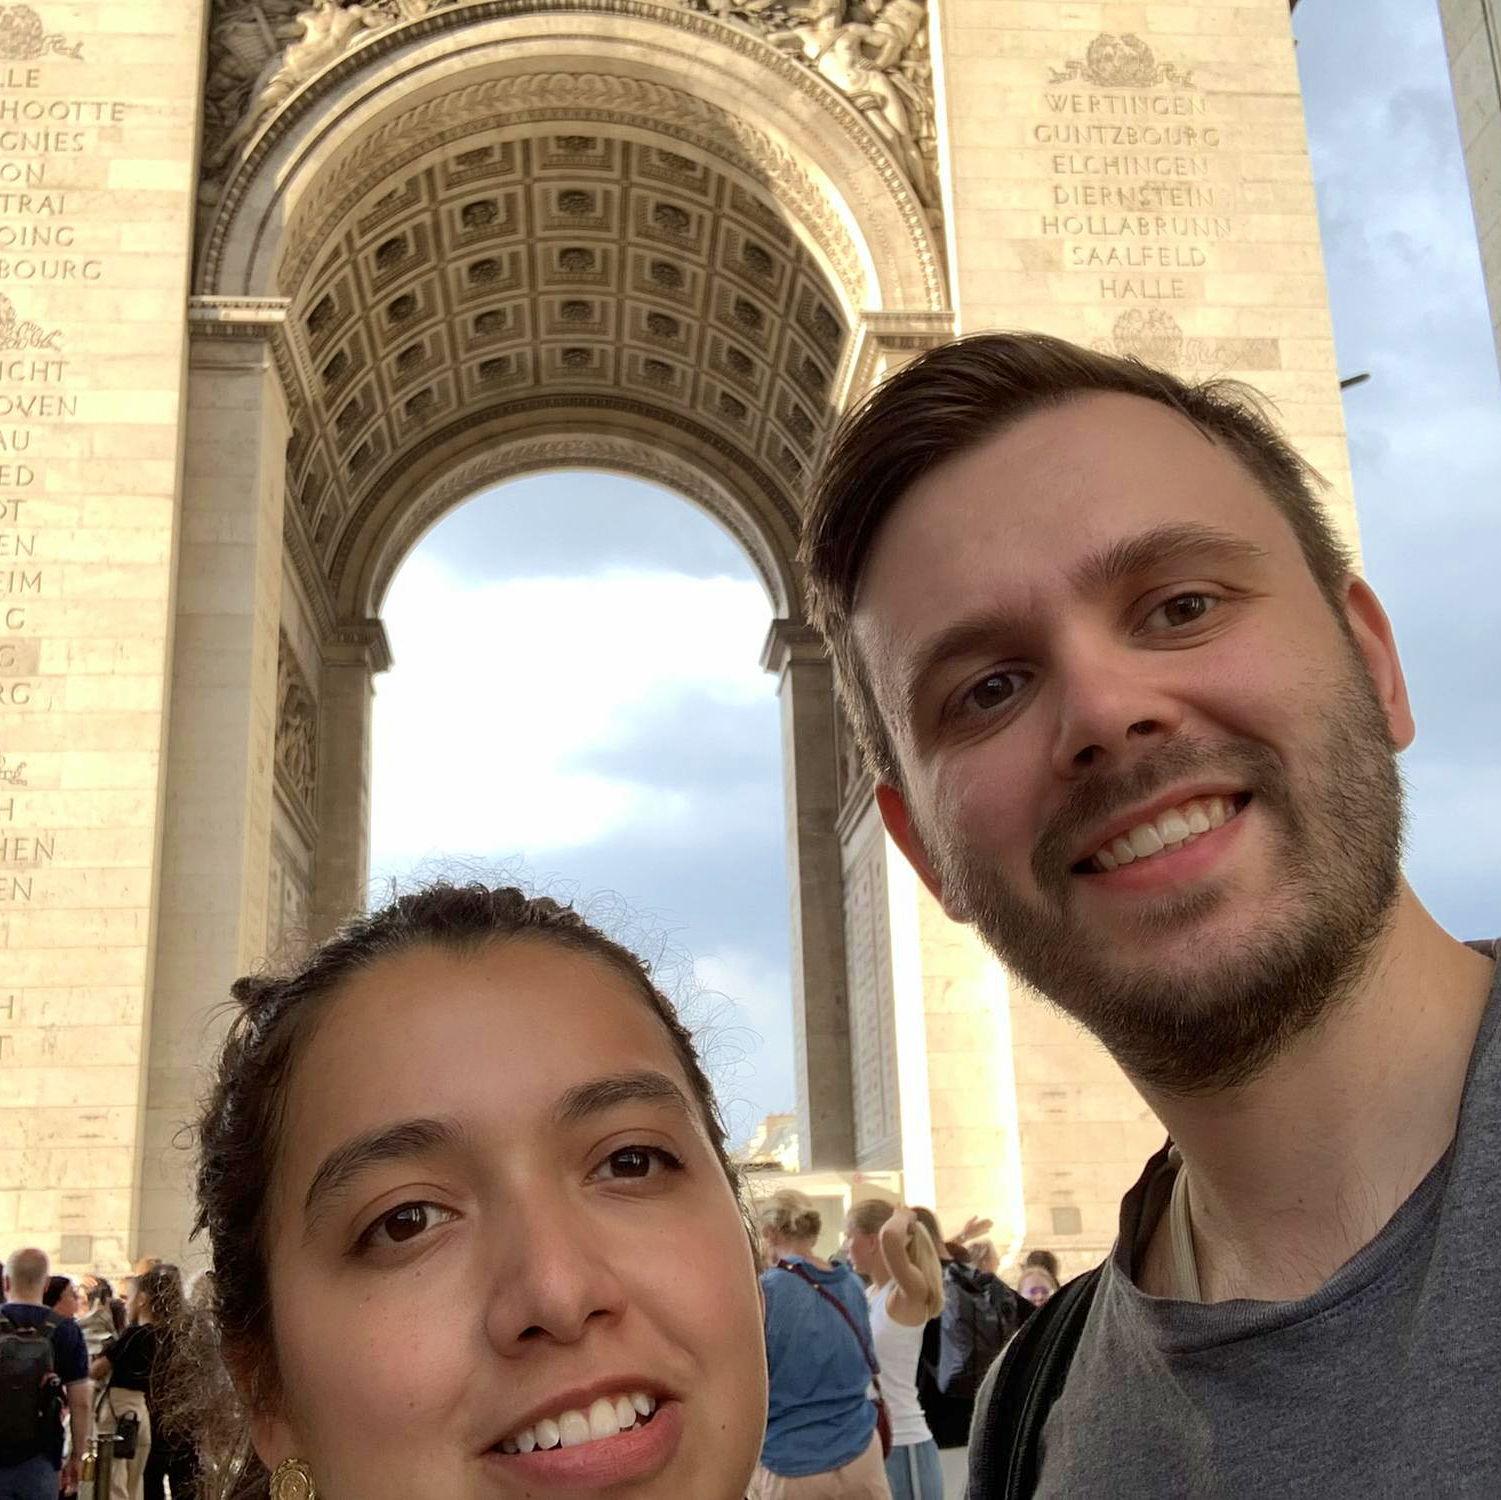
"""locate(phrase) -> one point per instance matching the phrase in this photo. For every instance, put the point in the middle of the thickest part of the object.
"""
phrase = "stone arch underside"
(608, 222)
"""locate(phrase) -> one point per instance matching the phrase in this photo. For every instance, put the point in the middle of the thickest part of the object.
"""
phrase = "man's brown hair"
(948, 401)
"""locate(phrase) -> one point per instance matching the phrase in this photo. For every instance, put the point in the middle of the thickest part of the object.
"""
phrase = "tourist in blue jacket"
(821, 1441)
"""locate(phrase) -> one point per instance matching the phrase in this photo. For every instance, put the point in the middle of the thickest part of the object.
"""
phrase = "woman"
(447, 1172)
(896, 1254)
(128, 1372)
(821, 1441)
(105, 1316)
(1039, 1277)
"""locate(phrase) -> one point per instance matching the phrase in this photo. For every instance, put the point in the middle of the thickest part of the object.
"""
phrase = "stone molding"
(507, 460)
(791, 642)
(588, 409)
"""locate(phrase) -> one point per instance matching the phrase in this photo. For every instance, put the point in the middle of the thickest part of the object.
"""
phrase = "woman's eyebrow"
(599, 1094)
(405, 1138)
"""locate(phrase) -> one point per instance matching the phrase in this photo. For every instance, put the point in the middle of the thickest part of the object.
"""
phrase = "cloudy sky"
(577, 701)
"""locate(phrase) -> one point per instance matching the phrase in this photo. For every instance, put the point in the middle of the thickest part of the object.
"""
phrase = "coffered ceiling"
(568, 269)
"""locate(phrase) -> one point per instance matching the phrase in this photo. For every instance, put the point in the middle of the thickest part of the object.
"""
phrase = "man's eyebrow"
(972, 632)
(599, 1094)
(406, 1138)
(1177, 542)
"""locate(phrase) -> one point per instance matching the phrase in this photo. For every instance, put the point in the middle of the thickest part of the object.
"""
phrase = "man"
(1132, 716)
(41, 1475)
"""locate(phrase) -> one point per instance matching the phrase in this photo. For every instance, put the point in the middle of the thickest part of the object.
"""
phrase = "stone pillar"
(221, 737)
(341, 866)
(820, 1000)
(1472, 31)
(100, 114)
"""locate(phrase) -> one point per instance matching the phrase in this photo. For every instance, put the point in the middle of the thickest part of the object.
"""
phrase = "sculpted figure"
(859, 58)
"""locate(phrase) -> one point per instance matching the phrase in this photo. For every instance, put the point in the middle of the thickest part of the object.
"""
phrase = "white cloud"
(742, 1021)
(501, 690)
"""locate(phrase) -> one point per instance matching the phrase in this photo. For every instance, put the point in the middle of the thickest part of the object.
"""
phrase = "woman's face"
(490, 1167)
(862, 1250)
(1036, 1288)
(69, 1303)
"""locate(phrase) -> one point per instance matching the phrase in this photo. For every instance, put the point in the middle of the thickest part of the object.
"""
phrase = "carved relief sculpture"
(262, 51)
(1122, 62)
(15, 334)
(875, 52)
(296, 730)
(24, 38)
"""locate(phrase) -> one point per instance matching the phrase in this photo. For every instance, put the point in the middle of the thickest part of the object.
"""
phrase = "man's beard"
(1197, 1026)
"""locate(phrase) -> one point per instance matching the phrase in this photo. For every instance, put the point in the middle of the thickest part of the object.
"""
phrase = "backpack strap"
(1031, 1376)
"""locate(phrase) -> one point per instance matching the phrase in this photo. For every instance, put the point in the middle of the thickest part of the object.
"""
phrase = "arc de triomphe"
(281, 281)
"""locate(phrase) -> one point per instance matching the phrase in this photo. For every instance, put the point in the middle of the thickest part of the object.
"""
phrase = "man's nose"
(552, 1277)
(1112, 708)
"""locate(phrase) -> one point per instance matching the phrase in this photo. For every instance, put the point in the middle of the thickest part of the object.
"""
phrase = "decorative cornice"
(238, 317)
(789, 643)
(360, 643)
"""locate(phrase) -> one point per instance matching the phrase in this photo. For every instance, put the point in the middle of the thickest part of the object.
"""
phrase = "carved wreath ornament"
(1122, 62)
(23, 37)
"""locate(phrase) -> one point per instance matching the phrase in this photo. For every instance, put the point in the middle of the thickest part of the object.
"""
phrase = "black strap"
(843, 1311)
(1033, 1370)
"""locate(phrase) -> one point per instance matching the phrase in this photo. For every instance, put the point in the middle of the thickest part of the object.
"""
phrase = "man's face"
(1139, 750)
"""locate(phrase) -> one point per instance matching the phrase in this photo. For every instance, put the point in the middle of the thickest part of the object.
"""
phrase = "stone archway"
(503, 237)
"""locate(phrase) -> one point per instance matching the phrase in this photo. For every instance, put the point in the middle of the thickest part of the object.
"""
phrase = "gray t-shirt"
(1386, 1382)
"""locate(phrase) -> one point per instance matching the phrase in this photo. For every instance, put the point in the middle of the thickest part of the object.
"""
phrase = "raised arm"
(919, 1284)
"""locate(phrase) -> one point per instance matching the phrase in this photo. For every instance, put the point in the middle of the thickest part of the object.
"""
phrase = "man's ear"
(898, 820)
(1372, 633)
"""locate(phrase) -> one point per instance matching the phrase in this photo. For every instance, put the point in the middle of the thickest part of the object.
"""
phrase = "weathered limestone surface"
(98, 113)
(1472, 31)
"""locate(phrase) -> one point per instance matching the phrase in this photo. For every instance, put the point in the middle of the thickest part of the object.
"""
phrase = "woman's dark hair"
(52, 1293)
(240, 1126)
(161, 1286)
(100, 1291)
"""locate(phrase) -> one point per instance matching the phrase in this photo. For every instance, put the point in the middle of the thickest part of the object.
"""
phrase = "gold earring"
(292, 1480)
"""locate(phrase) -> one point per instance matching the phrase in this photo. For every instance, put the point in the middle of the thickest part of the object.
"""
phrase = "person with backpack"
(822, 1441)
(980, 1313)
(44, 1366)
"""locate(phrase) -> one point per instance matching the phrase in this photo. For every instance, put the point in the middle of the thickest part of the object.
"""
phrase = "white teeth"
(1170, 830)
(1173, 827)
(605, 1417)
(573, 1429)
(603, 1422)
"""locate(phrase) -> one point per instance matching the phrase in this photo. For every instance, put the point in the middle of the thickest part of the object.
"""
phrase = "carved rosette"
(296, 732)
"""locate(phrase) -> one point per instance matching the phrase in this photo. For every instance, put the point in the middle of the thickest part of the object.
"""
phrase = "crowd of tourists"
(462, 1182)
